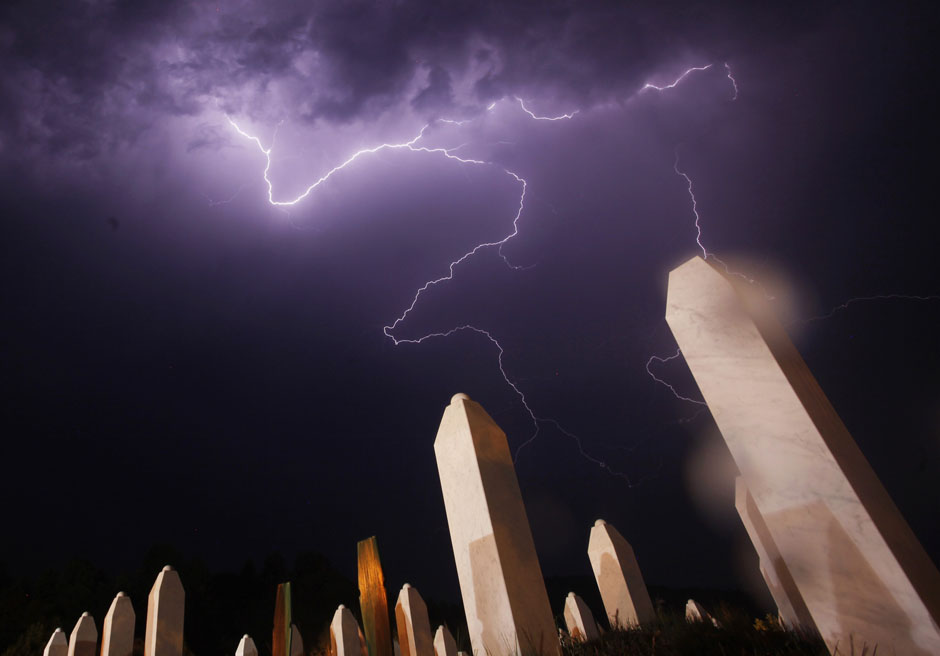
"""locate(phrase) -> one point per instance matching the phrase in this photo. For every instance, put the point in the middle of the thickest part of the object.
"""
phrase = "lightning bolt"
(734, 83)
(562, 117)
(662, 360)
(388, 331)
(861, 299)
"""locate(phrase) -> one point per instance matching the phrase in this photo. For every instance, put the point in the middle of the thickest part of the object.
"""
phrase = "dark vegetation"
(738, 634)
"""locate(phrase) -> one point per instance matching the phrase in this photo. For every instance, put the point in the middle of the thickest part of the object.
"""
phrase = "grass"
(737, 635)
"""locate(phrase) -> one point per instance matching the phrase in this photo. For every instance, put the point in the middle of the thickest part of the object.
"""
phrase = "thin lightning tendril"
(448, 153)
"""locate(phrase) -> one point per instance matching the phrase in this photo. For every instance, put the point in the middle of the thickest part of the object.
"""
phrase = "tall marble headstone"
(579, 620)
(344, 633)
(862, 573)
(618, 576)
(165, 605)
(444, 643)
(790, 604)
(246, 647)
(414, 628)
(501, 583)
(84, 638)
(117, 634)
(373, 601)
(58, 644)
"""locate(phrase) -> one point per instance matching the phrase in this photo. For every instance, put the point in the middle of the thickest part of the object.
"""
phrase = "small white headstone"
(246, 647)
(618, 576)
(345, 636)
(694, 612)
(414, 628)
(58, 645)
(84, 638)
(444, 643)
(117, 634)
(579, 620)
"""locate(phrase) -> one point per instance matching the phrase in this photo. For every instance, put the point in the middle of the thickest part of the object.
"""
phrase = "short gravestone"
(344, 633)
(117, 633)
(414, 628)
(58, 644)
(579, 620)
(501, 583)
(618, 576)
(246, 647)
(865, 578)
(84, 638)
(790, 604)
(695, 612)
(164, 632)
(444, 643)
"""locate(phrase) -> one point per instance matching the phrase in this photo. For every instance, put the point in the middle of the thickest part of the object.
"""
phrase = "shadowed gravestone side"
(861, 571)
(501, 582)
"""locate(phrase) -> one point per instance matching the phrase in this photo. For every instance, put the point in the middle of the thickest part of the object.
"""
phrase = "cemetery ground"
(221, 607)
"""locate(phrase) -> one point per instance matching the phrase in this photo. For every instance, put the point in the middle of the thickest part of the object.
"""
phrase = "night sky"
(183, 362)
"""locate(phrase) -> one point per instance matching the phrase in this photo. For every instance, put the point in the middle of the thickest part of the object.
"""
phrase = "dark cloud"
(81, 79)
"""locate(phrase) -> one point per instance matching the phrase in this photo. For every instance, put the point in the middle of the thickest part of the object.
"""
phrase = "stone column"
(501, 582)
(164, 633)
(117, 634)
(414, 628)
(373, 601)
(862, 573)
(282, 627)
(444, 643)
(619, 580)
(779, 581)
(58, 644)
(579, 620)
(344, 633)
(84, 638)
(246, 647)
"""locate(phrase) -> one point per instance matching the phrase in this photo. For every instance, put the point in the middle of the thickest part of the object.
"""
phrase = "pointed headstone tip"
(407, 586)
(460, 396)
(85, 614)
(167, 568)
(245, 637)
(600, 522)
(120, 594)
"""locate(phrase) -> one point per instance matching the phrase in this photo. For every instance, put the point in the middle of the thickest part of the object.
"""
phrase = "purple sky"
(186, 363)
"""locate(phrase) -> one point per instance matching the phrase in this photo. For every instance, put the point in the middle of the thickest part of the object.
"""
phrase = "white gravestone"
(618, 576)
(164, 634)
(579, 620)
(414, 628)
(501, 582)
(865, 578)
(117, 633)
